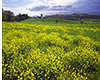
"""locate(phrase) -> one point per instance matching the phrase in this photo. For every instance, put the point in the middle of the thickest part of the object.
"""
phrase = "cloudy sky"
(49, 7)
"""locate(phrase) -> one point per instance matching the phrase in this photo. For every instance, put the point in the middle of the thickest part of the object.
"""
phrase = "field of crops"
(44, 52)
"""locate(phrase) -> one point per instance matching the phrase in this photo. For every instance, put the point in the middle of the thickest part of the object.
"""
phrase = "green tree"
(7, 15)
(21, 17)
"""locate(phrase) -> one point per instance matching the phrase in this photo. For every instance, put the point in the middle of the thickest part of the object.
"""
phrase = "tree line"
(9, 16)
(75, 16)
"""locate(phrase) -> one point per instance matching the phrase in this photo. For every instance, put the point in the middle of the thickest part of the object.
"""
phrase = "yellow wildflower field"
(44, 52)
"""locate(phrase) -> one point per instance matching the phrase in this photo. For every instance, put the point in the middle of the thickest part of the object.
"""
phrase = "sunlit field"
(50, 52)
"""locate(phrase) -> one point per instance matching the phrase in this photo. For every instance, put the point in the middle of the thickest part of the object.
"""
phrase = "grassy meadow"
(46, 49)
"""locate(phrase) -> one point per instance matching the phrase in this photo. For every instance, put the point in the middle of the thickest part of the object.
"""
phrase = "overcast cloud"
(49, 7)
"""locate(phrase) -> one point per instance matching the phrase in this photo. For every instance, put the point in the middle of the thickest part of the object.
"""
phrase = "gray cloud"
(60, 8)
(87, 6)
(39, 8)
(82, 6)
(52, 8)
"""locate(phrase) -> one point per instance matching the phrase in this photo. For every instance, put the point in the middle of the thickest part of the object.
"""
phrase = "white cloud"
(34, 3)
(60, 2)
(24, 8)
(30, 13)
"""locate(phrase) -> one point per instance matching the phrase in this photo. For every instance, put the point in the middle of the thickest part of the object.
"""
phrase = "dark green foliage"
(21, 17)
(7, 15)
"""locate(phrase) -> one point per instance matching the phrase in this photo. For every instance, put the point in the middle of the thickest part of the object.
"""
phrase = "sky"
(50, 7)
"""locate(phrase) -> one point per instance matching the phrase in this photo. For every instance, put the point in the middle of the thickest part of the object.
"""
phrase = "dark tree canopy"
(9, 16)
(21, 17)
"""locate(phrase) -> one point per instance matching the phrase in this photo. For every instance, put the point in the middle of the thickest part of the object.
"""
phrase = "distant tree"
(21, 17)
(81, 21)
(56, 21)
(4, 17)
(7, 15)
(10, 16)
(41, 15)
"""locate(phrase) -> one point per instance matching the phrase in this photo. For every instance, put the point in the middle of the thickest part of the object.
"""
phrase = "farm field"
(43, 51)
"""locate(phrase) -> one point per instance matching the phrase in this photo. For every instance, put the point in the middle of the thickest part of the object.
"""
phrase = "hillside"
(54, 21)
(75, 16)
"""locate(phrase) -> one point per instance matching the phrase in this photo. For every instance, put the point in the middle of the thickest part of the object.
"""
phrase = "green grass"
(52, 21)
(93, 35)
(73, 32)
(52, 30)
